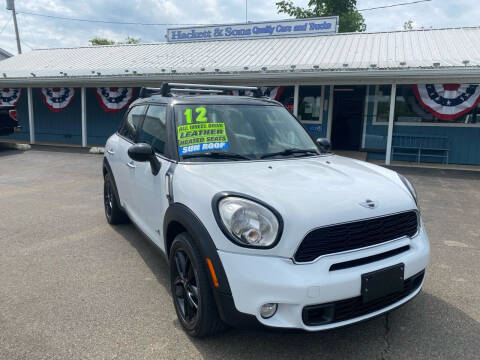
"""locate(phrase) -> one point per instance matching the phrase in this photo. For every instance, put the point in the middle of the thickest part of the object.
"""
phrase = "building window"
(438, 104)
(310, 104)
(380, 104)
(375, 120)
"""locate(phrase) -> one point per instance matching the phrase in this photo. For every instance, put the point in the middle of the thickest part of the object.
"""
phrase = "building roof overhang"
(430, 55)
(405, 76)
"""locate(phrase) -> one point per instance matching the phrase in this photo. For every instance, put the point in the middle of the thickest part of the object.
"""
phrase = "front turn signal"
(212, 272)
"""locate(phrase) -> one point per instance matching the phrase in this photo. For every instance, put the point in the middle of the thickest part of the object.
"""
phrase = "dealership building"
(394, 96)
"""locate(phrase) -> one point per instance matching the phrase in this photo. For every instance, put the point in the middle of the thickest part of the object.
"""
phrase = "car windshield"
(239, 132)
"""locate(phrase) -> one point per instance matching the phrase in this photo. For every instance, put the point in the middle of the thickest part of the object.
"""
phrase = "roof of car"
(207, 100)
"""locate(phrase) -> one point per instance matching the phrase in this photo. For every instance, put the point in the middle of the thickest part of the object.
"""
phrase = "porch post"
(84, 118)
(322, 103)
(365, 116)
(31, 123)
(390, 124)
(330, 112)
(296, 92)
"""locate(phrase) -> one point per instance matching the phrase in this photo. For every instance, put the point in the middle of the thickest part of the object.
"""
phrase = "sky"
(39, 32)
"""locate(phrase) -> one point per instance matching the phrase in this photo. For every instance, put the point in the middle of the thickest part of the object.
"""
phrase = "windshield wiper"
(218, 155)
(292, 151)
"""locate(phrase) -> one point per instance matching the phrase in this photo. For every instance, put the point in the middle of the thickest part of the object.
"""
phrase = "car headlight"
(247, 222)
(409, 186)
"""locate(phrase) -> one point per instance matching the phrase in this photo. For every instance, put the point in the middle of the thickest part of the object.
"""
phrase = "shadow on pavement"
(7, 152)
(426, 327)
(151, 255)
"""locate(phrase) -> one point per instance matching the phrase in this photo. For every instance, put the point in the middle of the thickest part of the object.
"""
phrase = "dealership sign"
(271, 29)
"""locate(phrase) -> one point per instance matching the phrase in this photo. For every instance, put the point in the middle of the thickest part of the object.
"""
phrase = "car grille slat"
(355, 235)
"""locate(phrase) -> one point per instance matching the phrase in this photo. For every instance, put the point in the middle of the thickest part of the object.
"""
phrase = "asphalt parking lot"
(72, 287)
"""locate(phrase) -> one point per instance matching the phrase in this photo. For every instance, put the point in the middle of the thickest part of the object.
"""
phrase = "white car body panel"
(307, 192)
(148, 201)
(116, 153)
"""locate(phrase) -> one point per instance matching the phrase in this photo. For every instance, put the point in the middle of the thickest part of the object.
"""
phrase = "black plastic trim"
(188, 219)
(356, 308)
(369, 259)
(169, 178)
(106, 166)
(223, 295)
(231, 316)
(172, 143)
(221, 195)
(309, 233)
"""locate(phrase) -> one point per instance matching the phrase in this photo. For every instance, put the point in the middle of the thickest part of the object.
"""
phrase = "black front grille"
(355, 235)
(347, 309)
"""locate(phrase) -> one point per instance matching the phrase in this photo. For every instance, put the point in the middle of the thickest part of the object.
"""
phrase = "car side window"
(154, 129)
(131, 122)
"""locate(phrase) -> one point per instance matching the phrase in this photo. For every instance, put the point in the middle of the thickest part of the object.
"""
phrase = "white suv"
(261, 224)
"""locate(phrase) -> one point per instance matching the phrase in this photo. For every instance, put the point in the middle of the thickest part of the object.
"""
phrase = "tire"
(197, 312)
(114, 214)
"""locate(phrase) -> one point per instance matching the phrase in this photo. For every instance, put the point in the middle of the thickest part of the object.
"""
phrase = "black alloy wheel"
(192, 289)
(108, 199)
(185, 283)
(113, 212)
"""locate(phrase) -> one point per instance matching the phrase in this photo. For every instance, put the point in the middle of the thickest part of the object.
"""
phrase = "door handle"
(131, 165)
(110, 151)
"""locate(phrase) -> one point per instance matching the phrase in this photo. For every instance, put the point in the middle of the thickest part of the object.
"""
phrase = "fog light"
(268, 310)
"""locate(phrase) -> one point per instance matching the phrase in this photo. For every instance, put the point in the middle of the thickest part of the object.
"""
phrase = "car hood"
(307, 192)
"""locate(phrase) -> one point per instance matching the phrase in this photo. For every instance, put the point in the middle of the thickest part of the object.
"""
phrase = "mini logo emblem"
(369, 204)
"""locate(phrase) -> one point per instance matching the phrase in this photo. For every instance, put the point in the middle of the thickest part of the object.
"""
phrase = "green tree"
(408, 25)
(103, 41)
(131, 40)
(350, 19)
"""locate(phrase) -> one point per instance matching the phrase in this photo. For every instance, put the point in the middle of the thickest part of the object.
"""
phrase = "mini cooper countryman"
(261, 224)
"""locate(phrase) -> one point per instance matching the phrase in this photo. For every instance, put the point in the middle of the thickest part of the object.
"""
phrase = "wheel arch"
(107, 169)
(179, 218)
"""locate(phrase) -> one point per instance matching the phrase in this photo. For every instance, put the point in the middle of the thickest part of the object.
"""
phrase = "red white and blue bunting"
(447, 101)
(10, 96)
(57, 99)
(273, 92)
(114, 99)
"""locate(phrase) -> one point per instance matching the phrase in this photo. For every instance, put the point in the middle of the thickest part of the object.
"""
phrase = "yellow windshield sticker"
(201, 137)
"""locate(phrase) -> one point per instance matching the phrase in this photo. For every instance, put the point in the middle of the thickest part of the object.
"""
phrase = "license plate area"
(379, 283)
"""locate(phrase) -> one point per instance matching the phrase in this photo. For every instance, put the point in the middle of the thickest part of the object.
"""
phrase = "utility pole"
(246, 11)
(11, 6)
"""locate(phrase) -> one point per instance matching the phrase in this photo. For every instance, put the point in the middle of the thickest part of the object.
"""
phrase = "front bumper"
(257, 280)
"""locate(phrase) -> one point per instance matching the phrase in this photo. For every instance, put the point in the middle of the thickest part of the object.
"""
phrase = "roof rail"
(167, 88)
(196, 91)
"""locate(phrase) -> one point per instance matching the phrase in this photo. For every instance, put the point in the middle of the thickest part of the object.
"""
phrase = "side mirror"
(142, 153)
(323, 144)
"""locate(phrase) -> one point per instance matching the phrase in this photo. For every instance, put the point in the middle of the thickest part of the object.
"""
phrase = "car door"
(149, 201)
(123, 167)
